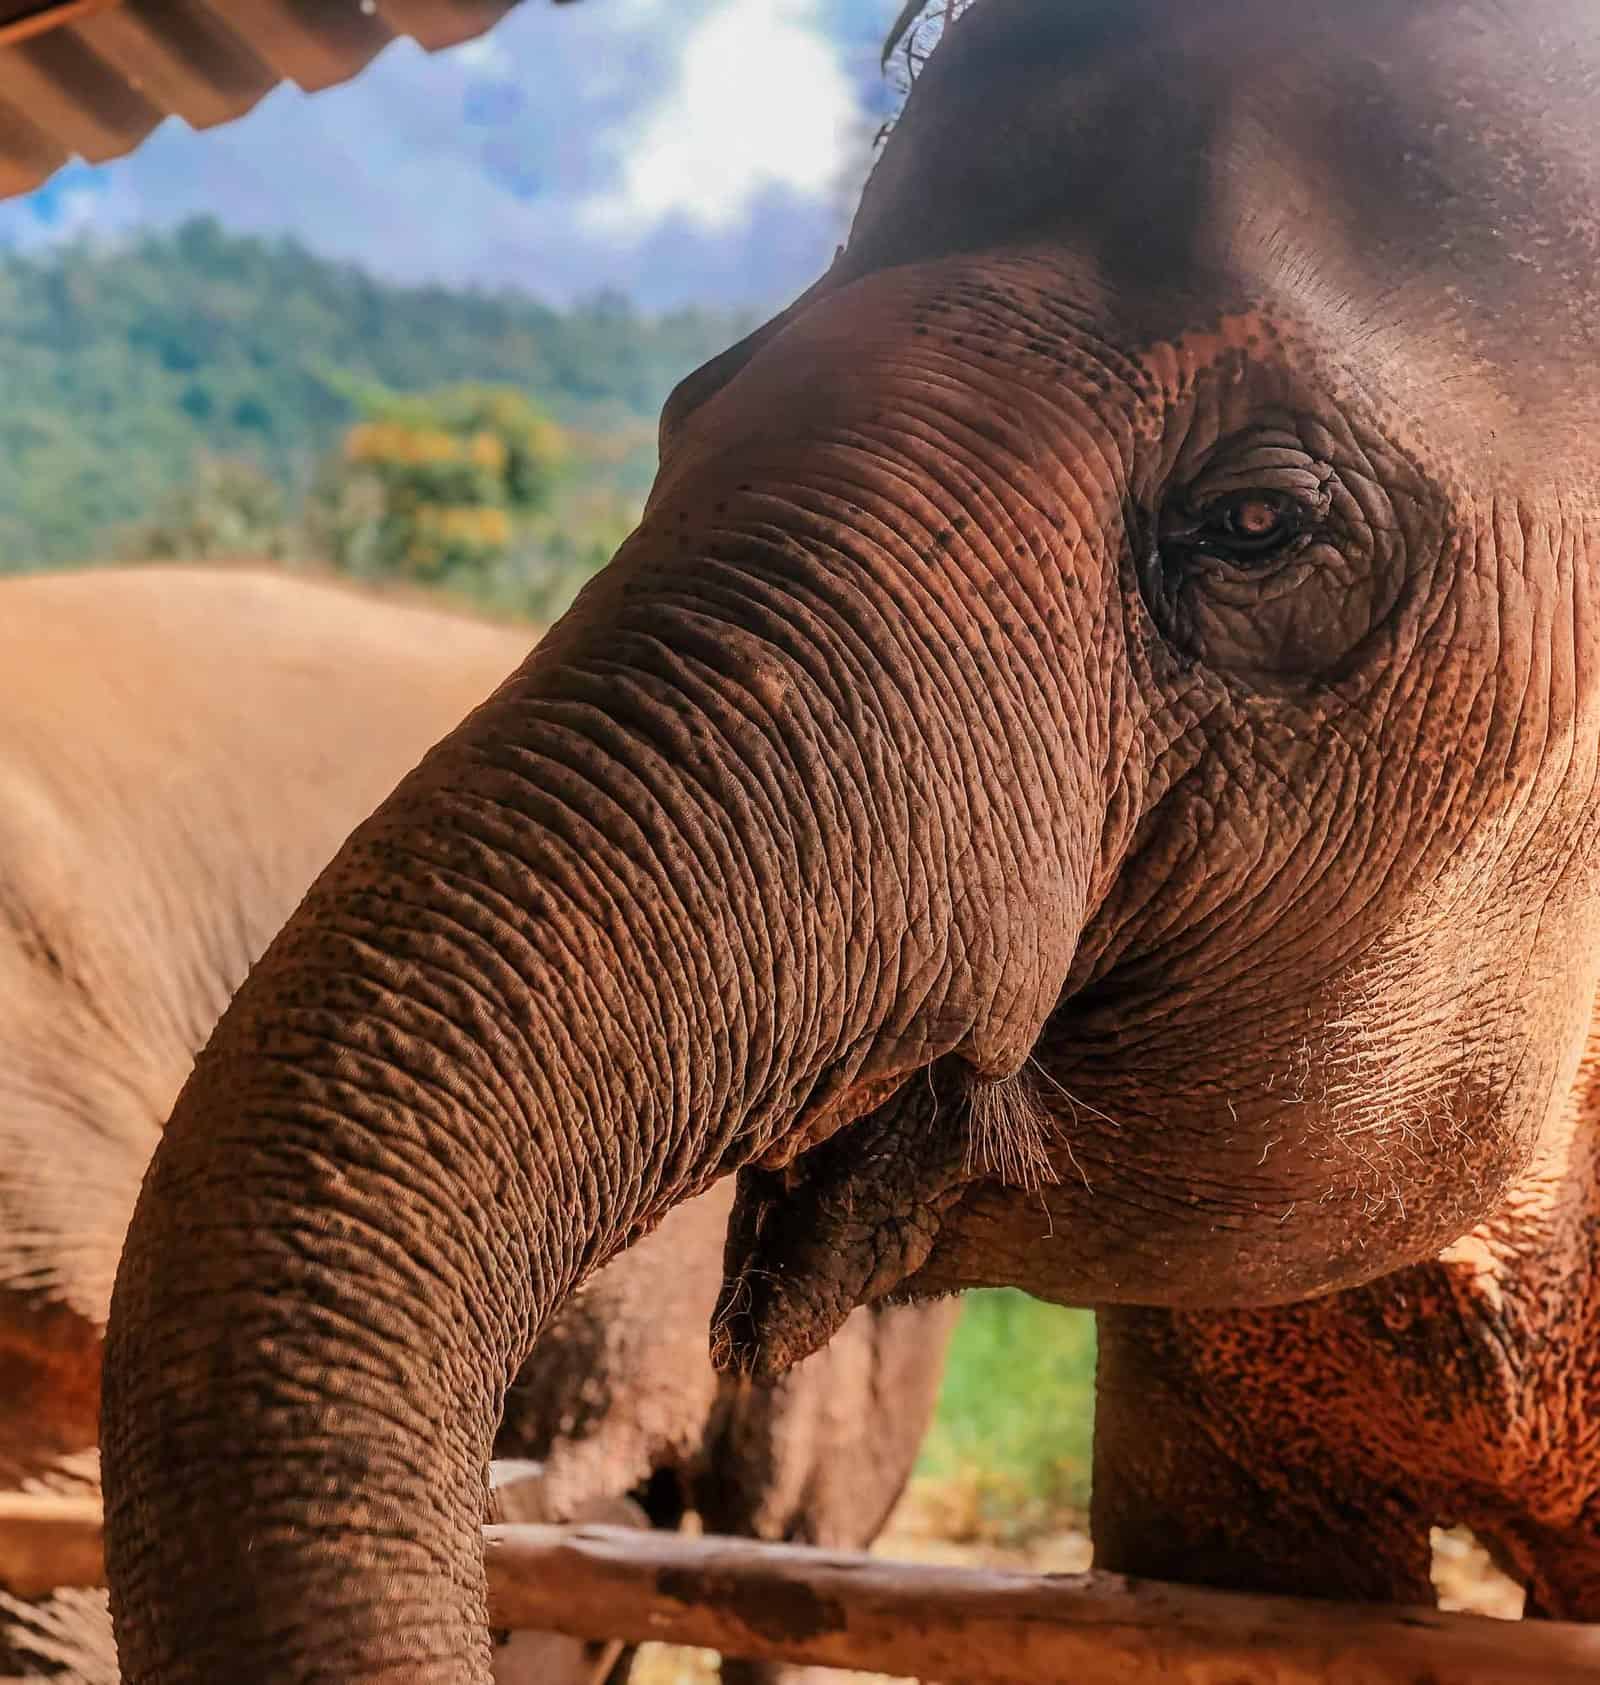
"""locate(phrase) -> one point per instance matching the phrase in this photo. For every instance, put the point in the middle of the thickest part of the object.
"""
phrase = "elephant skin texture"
(181, 750)
(1084, 777)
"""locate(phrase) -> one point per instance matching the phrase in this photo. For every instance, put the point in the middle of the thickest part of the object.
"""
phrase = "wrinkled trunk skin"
(677, 899)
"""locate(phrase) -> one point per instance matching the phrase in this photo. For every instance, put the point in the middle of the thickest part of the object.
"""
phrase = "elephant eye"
(1244, 526)
(1262, 562)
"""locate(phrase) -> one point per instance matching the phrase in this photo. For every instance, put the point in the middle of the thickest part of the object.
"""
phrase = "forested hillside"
(121, 367)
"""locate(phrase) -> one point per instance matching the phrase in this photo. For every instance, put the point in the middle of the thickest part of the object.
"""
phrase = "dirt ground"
(934, 1527)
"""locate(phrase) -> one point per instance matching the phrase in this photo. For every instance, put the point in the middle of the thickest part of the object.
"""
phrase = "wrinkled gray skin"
(180, 750)
(1084, 776)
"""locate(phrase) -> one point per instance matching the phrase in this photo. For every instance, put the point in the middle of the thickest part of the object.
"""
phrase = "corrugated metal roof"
(91, 78)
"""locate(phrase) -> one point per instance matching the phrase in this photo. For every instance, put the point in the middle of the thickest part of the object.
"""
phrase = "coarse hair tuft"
(917, 30)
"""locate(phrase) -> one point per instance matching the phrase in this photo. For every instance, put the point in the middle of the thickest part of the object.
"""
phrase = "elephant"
(182, 748)
(1083, 777)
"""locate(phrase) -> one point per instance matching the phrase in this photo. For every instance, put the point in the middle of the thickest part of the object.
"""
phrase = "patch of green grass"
(1015, 1419)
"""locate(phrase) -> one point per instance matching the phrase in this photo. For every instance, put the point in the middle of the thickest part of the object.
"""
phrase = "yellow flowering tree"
(436, 485)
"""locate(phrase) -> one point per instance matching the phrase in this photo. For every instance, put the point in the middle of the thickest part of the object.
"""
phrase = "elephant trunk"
(742, 846)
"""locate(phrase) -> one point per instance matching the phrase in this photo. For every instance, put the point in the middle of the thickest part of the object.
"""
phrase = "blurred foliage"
(470, 492)
(230, 509)
(434, 488)
(1015, 1421)
(131, 368)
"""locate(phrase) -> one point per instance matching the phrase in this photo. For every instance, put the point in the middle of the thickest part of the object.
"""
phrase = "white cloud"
(79, 208)
(762, 100)
(486, 56)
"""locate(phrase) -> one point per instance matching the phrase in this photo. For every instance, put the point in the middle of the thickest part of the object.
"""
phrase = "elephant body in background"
(180, 750)
(1085, 777)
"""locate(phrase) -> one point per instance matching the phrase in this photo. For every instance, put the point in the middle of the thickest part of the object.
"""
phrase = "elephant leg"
(49, 1384)
(1181, 1493)
(547, 1658)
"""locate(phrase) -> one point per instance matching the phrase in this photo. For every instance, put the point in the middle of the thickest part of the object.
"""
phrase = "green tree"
(436, 486)
(230, 510)
(123, 364)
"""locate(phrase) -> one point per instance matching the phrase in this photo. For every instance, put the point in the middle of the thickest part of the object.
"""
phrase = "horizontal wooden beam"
(785, 1603)
(48, 1543)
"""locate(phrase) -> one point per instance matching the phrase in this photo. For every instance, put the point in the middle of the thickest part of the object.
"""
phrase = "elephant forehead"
(1433, 160)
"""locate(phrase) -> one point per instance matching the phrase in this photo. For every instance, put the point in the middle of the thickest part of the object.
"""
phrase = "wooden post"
(784, 1603)
(49, 1542)
(780, 1602)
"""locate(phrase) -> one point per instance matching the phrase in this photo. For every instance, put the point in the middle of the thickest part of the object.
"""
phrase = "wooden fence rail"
(771, 1602)
(49, 1543)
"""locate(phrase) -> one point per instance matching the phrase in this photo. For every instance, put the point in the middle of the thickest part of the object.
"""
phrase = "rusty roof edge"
(54, 15)
(433, 24)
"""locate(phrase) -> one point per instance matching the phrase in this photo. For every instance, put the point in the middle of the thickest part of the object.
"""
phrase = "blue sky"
(677, 150)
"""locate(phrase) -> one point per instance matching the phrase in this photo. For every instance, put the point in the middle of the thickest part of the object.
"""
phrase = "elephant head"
(1083, 777)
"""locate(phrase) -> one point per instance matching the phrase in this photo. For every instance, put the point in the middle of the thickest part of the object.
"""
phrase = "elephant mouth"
(955, 1182)
(857, 1218)
(846, 1222)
